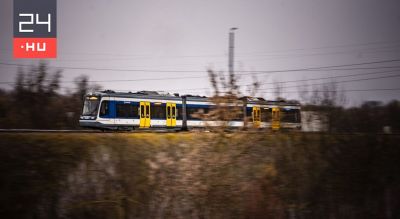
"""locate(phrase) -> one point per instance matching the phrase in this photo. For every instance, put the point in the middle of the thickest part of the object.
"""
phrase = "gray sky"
(184, 35)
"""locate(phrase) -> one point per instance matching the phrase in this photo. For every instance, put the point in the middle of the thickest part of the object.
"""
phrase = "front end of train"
(90, 111)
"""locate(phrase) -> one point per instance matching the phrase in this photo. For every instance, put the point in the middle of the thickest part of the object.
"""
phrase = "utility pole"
(231, 50)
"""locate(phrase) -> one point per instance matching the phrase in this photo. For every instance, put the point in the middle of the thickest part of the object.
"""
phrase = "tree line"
(36, 100)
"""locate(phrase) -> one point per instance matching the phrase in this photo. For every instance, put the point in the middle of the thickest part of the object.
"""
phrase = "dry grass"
(196, 175)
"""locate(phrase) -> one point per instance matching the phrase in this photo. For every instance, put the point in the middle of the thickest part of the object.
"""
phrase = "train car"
(109, 110)
(290, 116)
(126, 111)
(273, 115)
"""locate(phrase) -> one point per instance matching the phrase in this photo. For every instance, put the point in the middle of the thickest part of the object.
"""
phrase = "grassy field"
(199, 175)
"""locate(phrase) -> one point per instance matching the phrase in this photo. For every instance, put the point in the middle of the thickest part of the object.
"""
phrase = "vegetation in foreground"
(203, 175)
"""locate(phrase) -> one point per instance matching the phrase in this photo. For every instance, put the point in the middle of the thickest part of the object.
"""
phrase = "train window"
(257, 116)
(196, 113)
(147, 111)
(297, 115)
(249, 113)
(237, 113)
(126, 110)
(173, 112)
(266, 114)
(104, 109)
(157, 112)
(141, 111)
(179, 112)
(168, 112)
(90, 107)
(189, 113)
(232, 113)
(292, 115)
(239, 116)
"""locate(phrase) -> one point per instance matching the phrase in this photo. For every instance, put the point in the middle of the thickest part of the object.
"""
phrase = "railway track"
(48, 131)
(82, 131)
(167, 131)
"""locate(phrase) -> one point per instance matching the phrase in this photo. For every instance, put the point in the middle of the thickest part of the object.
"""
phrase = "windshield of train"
(90, 106)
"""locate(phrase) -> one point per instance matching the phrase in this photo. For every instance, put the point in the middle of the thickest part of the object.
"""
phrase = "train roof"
(139, 94)
(176, 96)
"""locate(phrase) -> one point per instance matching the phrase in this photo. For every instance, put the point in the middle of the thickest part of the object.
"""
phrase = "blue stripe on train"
(112, 108)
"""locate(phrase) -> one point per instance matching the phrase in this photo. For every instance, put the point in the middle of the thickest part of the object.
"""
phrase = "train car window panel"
(173, 112)
(249, 113)
(266, 114)
(142, 122)
(104, 108)
(126, 110)
(290, 115)
(234, 113)
(197, 113)
(298, 115)
(179, 112)
(231, 113)
(141, 111)
(190, 112)
(169, 122)
(158, 112)
(168, 112)
(147, 110)
(90, 106)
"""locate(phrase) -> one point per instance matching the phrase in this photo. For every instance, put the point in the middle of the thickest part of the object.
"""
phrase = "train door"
(275, 125)
(171, 114)
(256, 116)
(144, 114)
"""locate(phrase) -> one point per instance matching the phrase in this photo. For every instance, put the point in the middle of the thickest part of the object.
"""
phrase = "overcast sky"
(166, 38)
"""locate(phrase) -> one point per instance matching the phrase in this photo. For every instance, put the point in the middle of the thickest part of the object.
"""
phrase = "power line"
(102, 69)
(302, 80)
(351, 90)
(396, 42)
(197, 77)
(329, 68)
(331, 77)
(286, 56)
(186, 71)
(134, 56)
(338, 82)
(321, 78)
(335, 91)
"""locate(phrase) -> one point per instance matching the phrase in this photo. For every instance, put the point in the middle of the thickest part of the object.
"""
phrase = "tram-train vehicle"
(109, 110)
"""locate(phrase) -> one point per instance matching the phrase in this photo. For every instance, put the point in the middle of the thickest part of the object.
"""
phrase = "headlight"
(92, 117)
